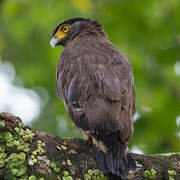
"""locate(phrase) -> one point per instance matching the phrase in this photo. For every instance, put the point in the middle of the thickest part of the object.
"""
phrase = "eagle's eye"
(65, 29)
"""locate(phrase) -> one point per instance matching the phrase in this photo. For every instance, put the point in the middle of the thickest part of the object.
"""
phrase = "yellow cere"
(62, 31)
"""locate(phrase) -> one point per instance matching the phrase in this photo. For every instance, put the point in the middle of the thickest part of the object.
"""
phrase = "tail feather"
(117, 166)
(130, 161)
(101, 159)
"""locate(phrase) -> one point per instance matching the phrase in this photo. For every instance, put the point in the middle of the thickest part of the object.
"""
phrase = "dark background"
(148, 32)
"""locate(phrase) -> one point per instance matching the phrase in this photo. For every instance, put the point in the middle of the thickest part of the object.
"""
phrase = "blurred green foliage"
(148, 32)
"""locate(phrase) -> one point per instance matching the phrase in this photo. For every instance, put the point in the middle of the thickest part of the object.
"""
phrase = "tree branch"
(29, 154)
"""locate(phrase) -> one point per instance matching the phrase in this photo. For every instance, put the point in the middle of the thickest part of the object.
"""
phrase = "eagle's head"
(69, 29)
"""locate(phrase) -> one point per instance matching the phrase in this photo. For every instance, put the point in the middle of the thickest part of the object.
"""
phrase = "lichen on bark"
(33, 155)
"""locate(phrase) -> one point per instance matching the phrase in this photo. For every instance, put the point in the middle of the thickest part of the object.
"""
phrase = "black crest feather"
(73, 20)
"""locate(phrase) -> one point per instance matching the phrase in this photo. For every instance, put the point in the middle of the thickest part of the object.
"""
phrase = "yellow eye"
(65, 29)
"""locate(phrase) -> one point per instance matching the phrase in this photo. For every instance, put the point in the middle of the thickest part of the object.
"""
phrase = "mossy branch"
(32, 155)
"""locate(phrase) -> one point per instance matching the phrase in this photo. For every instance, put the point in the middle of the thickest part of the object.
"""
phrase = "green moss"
(2, 162)
(32, 177)
(24, 177)
(16, 159)
(90, 172)
(40, 146)
(6, 136)
(15, 142)
(21, 125)
(10, 144)
(34, 152)
(87, 177)
(22, 145)
(53, 164)
(26, 136)
(2, 158)
(1, 149)
(150, 174)
(18, 172)
(95, 174)
(65, 173)
(54, 167)
(146, 173)
(14, 164)
(17, 129)
(32, 160)
(14, 171)
(172, 172)
(66, 176)
(2, 155)
(171, 178)
(73, 172)
(153, 171)
(39, 150)
(2, 124)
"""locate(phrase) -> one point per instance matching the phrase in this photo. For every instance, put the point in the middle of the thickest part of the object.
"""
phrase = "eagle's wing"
(98, 93)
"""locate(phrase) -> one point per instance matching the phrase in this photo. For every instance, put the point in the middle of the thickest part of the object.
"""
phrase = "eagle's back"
(95, 81)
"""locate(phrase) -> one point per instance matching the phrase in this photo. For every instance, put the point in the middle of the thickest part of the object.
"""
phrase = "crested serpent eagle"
(95, 81)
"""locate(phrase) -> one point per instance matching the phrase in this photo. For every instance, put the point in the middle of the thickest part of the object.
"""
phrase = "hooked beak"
(54, 41)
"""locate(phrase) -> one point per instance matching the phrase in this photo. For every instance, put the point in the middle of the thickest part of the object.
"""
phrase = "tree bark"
(29, 154)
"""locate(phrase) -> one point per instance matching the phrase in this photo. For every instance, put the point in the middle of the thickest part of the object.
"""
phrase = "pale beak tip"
(52, 45)
(54, 42)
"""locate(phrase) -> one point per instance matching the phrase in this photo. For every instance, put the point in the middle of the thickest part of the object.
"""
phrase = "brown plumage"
(95, 81)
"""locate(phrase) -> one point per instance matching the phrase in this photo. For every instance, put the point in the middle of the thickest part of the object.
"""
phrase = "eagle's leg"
(88, 137)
